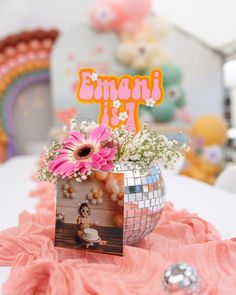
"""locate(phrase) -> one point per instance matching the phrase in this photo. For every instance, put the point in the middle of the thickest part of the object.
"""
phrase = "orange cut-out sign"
(120, 97)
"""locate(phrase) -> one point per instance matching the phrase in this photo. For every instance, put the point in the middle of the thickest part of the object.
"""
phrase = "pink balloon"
(2, 57)
(106, 16)
(31, 56)
(34, 44)
(119, 15)
(136, 10)
(12, 63)
(22, 47)
(10, 51)
(43, 54)
(21, 58)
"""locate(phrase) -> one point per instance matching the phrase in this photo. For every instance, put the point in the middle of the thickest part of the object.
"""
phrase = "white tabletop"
(215, 205)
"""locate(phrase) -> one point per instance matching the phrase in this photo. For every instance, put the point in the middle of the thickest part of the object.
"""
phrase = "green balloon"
(176, 95)
(164, 112)
(132, 72)
(171, 74)
(143, 109)
(181, 101)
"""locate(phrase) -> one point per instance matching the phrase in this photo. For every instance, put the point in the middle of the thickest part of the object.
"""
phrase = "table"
(213, 204)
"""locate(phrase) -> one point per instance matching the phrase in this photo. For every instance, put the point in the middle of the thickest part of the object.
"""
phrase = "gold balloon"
(211, 129)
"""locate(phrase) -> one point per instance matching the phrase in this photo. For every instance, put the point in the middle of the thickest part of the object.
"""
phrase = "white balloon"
(100, 200)
(66, 186)
(89, 196)
(115, 189)
(114, 197)
(100, 194)
(66, 194)
(72, 195)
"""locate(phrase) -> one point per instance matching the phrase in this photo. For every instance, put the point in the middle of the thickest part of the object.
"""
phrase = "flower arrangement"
(87, 146)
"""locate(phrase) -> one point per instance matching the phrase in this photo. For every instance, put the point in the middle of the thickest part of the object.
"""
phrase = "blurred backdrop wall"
(78, 45)
(200, 65)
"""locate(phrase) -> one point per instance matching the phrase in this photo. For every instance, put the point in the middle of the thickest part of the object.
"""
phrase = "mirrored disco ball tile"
(137, 173)
(149, 179)
(137, 180)
(129, 174)
(131, 197)
(130, 181)
(150, 195)
(147, 203)
(143, 201)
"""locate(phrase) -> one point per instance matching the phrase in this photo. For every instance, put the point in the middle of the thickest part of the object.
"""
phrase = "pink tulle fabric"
(40, 268)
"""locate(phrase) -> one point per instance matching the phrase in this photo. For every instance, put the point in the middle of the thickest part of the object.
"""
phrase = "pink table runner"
(40, 268)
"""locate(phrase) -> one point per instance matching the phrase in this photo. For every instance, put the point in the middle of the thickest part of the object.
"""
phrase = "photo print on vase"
(89, 214)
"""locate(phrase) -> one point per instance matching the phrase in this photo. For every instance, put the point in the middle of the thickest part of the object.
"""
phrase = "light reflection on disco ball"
(144, 200)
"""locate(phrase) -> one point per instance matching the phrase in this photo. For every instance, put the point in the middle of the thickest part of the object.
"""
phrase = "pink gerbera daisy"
(81, 154)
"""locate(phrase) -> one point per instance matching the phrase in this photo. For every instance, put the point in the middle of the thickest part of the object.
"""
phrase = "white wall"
(233, 106)
(202, 70)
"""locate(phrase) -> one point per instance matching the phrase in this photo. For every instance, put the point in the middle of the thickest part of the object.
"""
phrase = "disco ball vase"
(144, 200)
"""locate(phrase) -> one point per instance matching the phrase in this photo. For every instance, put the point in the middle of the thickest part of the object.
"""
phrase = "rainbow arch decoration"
(24, 61)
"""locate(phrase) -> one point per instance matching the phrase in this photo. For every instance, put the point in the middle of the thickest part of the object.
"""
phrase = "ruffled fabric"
(40, 268)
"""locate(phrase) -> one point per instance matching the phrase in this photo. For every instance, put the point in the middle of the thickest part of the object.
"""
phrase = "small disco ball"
(181, 277)
(144, 200)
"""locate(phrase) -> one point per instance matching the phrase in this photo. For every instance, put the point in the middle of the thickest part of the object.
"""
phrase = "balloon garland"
(140, 50)
(24, 61)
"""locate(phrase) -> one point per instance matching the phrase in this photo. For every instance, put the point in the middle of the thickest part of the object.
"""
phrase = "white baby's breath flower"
(170, 144)
(94, 76)
(148, 154)
(84, 177)
(116, 104)
(87, 126)
(134, 157)
(150, 102)
(123, 116)
(73, 124)
(91, 125)
(73, 120)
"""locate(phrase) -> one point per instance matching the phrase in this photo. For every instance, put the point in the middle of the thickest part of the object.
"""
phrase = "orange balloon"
(70, 190)
(120, 196)
(95, 195)
(101, 175)
(118, 220)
